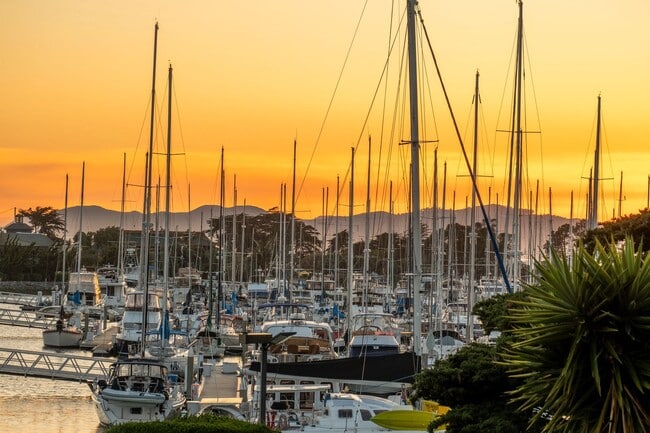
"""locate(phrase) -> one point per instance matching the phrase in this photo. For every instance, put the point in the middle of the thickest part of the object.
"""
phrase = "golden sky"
(253, 76)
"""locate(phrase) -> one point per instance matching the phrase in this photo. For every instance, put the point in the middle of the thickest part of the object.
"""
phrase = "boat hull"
(383, 374)
(403, 419)
(64, 338)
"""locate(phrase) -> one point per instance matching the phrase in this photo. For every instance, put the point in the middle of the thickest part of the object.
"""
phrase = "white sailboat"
(139, 388)
(67, 333)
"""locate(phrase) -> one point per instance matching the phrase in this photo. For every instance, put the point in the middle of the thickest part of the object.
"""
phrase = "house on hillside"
(23, 234)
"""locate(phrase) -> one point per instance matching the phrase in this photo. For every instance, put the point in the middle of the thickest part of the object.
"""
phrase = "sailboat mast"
(292, 247)
(593, 217)
(233, 255)
(511, 245)
(324, 243)
(416, 234)
(146, 215)
(243, 233)
(472, 244)
(220, 241)
(120, 244)
(167, 205)
(189, 237)
(81, 213)
(336, 234)
(65, 235)
(348, 317)
(366, 248)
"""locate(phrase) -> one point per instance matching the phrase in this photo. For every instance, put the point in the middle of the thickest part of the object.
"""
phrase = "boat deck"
(221, 386)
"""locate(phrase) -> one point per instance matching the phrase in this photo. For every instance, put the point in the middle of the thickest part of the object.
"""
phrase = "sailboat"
(67, 333)
(139, 388)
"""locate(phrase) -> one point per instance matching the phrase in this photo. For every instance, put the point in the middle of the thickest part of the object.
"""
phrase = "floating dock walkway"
(52, 365)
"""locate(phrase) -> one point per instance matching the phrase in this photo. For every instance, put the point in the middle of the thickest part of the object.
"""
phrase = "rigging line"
(539, 123)
(383, 118)
(331, 101)
(396, 110)
(180, 131)
(139, 140)
(495, 245)
(372, 103)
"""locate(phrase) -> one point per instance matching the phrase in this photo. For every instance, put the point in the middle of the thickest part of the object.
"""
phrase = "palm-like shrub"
(582, 341)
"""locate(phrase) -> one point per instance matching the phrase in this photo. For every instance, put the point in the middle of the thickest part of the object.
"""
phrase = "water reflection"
(42, 405)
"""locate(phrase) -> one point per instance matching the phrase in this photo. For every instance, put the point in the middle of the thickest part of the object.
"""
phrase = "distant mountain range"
(96, 217)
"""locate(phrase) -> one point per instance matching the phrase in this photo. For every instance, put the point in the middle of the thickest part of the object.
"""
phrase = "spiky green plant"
(582, 341)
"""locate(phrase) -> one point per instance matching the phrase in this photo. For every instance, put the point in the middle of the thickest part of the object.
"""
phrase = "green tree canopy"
(582, 340)
(476, 387)
(45, 220)
(636, 227)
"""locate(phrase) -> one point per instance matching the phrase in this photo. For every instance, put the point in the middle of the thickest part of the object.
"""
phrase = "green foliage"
(44, 220)
(494, 311)
(476, 387)
(582, 341)
(636, 227)
(563, 237)
(27, 262)
(200, 424)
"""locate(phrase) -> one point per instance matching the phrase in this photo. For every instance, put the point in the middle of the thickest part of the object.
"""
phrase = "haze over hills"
(96, 217)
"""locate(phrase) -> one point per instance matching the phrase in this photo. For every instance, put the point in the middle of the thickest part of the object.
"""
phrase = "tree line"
(254, 254)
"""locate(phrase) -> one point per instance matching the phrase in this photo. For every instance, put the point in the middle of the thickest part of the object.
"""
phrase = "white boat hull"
(118, 407)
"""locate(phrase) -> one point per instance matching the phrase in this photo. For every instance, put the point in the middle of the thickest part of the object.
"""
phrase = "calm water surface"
(30, 405)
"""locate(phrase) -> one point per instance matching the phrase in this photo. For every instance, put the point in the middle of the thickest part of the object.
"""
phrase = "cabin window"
(345, 413)
(136, 411)
(306, 400)
(366, 414)
(288, 398)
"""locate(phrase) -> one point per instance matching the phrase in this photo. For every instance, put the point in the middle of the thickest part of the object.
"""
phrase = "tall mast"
(220, 240)
(516, 231)
(511, 240)
(189, 237)
(167, 206)
(472, 244)
(336, 235)
(391, 230)
(243, 233)
(80, 236)
(366, 248)
(120, 244)
(416, 234)
(593, 217)
(146, 215)
(233, 264)
(348, 316)
(324, 243)
(65, 235)
(292, 247)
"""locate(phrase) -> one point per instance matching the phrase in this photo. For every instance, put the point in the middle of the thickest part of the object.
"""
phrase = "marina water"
(42, 405)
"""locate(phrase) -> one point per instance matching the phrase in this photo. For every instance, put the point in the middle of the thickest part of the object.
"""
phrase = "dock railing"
(52, 365)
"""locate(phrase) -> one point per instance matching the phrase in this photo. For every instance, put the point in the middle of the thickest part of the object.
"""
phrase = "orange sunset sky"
(253, 76)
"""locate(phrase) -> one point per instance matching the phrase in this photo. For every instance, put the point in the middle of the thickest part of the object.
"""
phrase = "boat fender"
(270, 419)
(283, 422)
